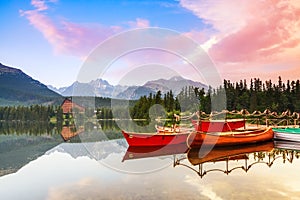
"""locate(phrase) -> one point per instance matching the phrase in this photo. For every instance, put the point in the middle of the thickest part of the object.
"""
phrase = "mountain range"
(17, 88)
(103, 88)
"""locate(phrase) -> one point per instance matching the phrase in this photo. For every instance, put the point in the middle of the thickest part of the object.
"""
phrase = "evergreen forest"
(257, 95)
(254, 96)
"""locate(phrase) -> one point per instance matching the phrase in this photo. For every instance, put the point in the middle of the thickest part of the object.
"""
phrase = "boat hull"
(289, 134)
(197, 139)
(155, 139)
(218, 125)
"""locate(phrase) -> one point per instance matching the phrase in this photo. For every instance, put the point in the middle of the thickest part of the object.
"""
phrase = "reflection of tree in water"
(92, 131)
(31, 128)
(287, 155)
(22, 142)
(109, 127)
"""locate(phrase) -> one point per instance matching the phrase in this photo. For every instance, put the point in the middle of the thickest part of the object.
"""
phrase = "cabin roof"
(67, 105)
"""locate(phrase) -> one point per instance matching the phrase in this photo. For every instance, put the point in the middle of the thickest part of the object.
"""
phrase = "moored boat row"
(220, 136)
(194, 138)
(178, 135)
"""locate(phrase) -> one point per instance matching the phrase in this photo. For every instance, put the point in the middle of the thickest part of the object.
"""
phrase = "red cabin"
(68, 106)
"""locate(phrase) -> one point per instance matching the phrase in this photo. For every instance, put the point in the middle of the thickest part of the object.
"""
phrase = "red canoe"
(197, 139)
(218, 125)
(155, 139)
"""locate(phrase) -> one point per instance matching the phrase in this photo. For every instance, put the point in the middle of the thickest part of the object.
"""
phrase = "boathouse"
(68, 106)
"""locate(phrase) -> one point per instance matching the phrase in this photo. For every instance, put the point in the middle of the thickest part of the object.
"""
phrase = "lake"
(43, 166)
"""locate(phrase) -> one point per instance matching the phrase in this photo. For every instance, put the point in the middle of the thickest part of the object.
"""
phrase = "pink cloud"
(72, 38)
(251, 36)
(39, 5)
(265, 36)
(198, 36)
(219, 14)
(139, 23)
(249, 30)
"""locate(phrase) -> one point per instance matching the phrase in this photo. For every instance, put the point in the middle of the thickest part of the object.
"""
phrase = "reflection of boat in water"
(155, 139)
(69, 132)
(288, 149)
(196, 139)
(290, 134)
(154, 151)
(201, 155)
(218, 125)
(287, 145)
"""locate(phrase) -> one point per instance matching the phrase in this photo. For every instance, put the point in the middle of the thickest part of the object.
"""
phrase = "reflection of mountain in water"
(21, 143)
(18, 150)
(94, 150)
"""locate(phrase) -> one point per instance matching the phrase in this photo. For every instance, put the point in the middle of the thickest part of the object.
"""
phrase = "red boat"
(197, 139)
(218, 125)
(155, 139)
(173, 129)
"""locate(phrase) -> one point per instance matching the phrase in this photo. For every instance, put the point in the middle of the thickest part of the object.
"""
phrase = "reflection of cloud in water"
(67, 172)
(147, 186)
(278, 181)
(205, 190)
(242, 187)
(111, 153)
(172, 184)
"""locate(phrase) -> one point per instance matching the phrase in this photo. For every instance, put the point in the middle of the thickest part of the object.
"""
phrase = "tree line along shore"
(254, 96)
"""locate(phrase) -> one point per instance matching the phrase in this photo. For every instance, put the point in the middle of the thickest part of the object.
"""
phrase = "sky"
(51, 40)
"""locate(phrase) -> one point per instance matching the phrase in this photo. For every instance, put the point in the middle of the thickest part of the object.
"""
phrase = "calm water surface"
(44, 167)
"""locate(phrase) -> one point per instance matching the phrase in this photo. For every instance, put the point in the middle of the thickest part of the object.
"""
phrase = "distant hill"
(135, 92)
(57, 90)
(102, 88)
(175, 84)
(17, 88)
